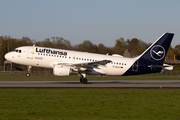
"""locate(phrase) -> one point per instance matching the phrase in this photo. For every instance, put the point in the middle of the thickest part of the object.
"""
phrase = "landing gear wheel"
(81, 79)
(84, 80)
(28, 71)
(28, 75)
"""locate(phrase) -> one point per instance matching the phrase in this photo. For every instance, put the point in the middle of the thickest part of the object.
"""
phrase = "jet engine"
(61, 70)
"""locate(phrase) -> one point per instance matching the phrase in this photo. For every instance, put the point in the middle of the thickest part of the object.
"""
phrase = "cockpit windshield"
(17, 50)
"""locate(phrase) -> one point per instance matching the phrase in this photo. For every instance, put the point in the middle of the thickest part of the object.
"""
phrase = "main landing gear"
(28, 71)
(83, 79)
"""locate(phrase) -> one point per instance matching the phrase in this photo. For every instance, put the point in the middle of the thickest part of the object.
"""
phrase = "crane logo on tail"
(157, 52)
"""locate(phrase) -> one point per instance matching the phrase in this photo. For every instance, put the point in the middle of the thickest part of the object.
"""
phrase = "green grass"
(98, 104)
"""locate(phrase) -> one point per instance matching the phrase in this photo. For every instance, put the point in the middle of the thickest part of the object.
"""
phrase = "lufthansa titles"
(50, 51)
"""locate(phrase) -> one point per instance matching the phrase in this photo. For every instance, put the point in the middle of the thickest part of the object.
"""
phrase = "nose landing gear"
(27, 74)
(28, 71)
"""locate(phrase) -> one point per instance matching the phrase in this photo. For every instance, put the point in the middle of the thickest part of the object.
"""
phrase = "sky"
(100, 21)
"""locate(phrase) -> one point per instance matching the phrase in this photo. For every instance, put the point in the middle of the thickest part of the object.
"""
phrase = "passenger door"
(135, 66)
(30, 53)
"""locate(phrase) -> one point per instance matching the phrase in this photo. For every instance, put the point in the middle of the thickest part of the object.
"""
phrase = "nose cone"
(7, 56)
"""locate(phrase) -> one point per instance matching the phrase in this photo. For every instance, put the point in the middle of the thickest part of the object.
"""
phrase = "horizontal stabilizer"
(165, 67)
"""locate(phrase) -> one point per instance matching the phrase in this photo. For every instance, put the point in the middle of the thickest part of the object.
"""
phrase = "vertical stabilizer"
(156, 53)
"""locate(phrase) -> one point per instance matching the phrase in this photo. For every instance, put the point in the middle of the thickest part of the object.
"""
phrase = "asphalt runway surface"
(125, 84)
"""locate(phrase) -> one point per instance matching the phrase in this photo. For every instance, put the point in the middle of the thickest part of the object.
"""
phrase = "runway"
(124, 84)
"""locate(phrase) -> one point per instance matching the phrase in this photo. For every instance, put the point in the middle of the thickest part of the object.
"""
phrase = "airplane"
(64, 62)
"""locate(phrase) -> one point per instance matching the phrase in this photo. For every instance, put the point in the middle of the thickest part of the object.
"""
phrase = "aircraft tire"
(84, 80)
(28, 75)
(81, 79)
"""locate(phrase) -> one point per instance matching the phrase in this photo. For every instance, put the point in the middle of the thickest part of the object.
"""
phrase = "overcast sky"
(100, 21)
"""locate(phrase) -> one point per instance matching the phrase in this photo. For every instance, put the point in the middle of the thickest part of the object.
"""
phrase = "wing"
(86, 66)
(92, 64)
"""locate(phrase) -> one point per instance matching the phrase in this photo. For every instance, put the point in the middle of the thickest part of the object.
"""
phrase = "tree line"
(128, 48)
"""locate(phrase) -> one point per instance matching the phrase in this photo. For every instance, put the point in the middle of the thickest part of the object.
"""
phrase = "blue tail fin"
(156, 53)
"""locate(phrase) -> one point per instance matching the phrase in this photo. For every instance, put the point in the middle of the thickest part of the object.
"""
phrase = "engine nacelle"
(61, 70)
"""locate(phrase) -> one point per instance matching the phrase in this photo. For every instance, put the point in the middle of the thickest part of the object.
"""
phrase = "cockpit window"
(16, 50)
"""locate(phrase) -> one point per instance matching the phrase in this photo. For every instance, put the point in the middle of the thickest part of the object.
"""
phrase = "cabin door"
(135, 66)
(30, 53)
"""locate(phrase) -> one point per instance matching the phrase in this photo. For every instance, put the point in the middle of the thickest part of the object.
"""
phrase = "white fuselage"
(48, 57)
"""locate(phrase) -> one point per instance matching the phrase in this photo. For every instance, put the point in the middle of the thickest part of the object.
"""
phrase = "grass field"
(90, 104)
